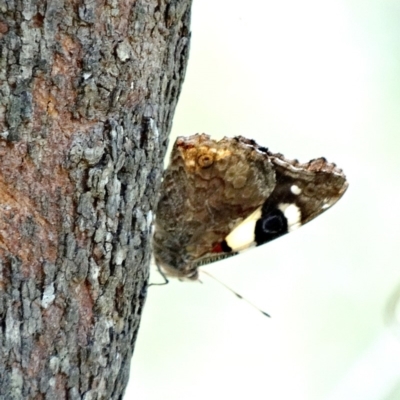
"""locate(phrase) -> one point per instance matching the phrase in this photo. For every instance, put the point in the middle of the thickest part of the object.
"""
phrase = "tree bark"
(88, 90)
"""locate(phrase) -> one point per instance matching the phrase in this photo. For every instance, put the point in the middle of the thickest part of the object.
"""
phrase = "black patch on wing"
(225, 247)
(270, 226)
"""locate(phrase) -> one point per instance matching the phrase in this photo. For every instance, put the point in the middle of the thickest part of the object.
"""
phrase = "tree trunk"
(88, 90)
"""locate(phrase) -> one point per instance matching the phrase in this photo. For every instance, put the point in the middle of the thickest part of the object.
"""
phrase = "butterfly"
(218, 198)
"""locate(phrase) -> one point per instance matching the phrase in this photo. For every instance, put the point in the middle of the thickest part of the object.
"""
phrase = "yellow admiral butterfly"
(218, 198)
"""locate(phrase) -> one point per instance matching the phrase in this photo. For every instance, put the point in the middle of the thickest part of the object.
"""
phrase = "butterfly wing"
(208, 189)
(218, 198)
(301, 193)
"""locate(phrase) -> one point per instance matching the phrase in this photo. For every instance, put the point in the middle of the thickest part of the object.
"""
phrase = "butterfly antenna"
(236, 293)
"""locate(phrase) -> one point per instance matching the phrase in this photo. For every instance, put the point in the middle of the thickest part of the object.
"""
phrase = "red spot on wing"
(217, 248)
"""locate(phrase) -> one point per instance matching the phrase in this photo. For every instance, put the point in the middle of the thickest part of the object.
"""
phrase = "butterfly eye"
(271, 226)
(205, 160)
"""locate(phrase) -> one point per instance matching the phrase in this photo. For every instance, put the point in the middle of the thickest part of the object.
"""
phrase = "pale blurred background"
(307, 79)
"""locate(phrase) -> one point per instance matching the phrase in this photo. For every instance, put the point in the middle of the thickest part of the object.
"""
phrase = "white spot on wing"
(292, 214)
(243, 236)
(295, 190)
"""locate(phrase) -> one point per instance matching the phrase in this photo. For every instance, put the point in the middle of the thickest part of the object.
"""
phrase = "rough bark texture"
(88, 90)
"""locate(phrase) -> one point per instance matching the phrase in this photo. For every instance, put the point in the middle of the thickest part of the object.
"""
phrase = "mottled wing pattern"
(313, 187)
(302, 192)
(208, 188)
(219, 198)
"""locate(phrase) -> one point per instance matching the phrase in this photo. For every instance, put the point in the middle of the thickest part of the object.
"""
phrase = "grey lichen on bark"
(87, 95)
